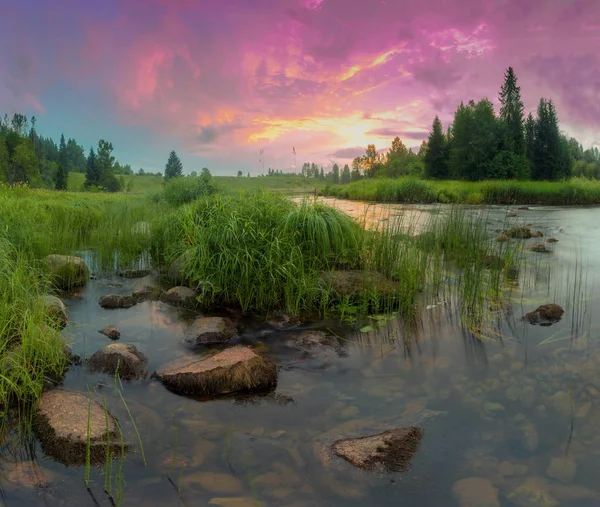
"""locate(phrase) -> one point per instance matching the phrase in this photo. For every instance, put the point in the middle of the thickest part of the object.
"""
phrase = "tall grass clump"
(179, 191)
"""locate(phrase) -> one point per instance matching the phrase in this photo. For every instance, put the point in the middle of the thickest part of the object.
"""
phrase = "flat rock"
(562, 469)
(236, 369)
(56, 310)
(519, 232)
(145, 292)
(534, 492)
(67, 271)
(134, 273)
(111, 331)
(475, 492)
(389, 451)
(110, 301)
(354, 283)
(210, 330)
(119, 358)
(545, 315)
(539, 248)
(180, 296)
(66, 422)
(29, 475)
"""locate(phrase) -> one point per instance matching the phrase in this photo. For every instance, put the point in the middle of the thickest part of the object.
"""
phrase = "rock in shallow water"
(62, 421)
(145, 292)
(67, 272)
(534, 492)
(111, 301)
(56, 310)
(180, 296)
(475, 492)
(134, 273)
(210, 330)
(119, 358)
(111, 331)
(545, 315)
(389, 451)
(236, 369)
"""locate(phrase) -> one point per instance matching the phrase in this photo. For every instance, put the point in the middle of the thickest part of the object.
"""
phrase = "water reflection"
(518, 410)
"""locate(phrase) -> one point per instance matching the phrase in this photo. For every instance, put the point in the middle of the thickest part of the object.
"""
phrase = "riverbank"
(576, 191)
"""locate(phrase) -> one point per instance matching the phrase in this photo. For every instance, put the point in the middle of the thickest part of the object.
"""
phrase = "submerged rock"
(119, 358)
(180, 296)
(210, 330)
(111, 331)
(317, 343)
(538, 247)
(56, 310)
(111, 301)
(29, 475)
(282, 320)
(493, 262)
(562, 469)
(545, 315)
(534, 492)
(475, 492)
(67, 272)
(67, 423)
(145, 292)
(236, 369)
(134, 273)
(389, 451)
(353, 283)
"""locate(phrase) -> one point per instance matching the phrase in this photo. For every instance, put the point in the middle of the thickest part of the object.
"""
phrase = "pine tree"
(345, 178)
(511, 111)
(62, 174)
(336, 173)
(174, 167)
(549, 160)
(529, 136)
(92, 173)
(436, 156)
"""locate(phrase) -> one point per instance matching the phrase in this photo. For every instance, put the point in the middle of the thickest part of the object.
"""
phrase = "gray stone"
(122, 359)
(180, 296)
(134, 273)
(67, 272)
(145, 292)
(210, 330)
(110, 301)
(111, 331)
(475, 492)
(56, 310)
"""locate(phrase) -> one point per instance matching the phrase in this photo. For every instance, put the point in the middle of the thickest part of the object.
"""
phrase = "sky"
(220, 80)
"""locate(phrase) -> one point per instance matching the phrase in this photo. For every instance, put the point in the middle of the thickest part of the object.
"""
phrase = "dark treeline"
(481, 145)
(27, 157)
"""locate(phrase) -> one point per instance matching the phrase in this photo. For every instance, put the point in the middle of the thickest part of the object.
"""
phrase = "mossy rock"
(177, 269)
(210, 330)
(67, 423)
(56, 310)
(180, 296)
(545, 315)
(67, 272)
(122, 359)
(233, 370)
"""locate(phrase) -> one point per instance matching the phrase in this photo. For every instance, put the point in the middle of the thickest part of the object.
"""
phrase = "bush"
(179, 191)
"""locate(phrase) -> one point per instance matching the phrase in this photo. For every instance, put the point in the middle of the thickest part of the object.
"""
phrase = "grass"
(411, 190)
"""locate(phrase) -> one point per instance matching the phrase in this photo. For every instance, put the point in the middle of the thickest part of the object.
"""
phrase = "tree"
(511, 111)
(550, 159)
(92, 174)
(174, 167)
(321, 174)
(4, 160)
(62, 173)
(336, 173)
(240, 174)
(345, 178)
(436, 155)
(206, 172)
(24, 166)
(529, 136)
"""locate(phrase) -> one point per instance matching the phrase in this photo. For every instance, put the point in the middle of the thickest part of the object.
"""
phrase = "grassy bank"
(410, 190)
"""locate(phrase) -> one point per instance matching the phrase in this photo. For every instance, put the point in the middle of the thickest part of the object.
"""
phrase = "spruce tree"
(92, 173)
(345, 178)
(174, 167)
(436, 156)
(62, 174)
(336, 173)
(511, 111)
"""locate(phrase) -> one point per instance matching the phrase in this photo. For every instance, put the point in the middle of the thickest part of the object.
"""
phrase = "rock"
(237, 501)
(354, 283)
(134, 273)
(529, 437)
(111, 331)
(523, 208)
(141, 228)
(493, 262)
(569, 493)
(67, 272)
(119, 358)
(551, 240)
(29, 475)
(210, 330)
(519, 232)
(177, 272)
(538, 234)
(475, 492)
(511, 215)
(389, 451)
(180, 296)
(145, 292)
(62, 421)
(236, 369)
(116, 301)
(534, 492)
(72, 358)
(562, 469)
(215, 482)
(506, 469)
(538, 247)
(502, 239)
(56, 310)
(545, 315)
(282, 320)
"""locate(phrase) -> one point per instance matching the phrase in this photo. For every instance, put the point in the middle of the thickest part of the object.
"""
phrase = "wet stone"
(111, 301)
(538, 247)
(67, 272)
(134, 273)
(475, 492)
(119, 358)
(62, 421)
(180, 296)
(534, 492)
(111, 331)
(236, 369)
(389, 451)
(551, 240)
(519, 232)
(56, 310)
(493, 262)
(529, 437)
(545, 315)
(29, 475)
(210, 330)
(562, 469)
(145, 292)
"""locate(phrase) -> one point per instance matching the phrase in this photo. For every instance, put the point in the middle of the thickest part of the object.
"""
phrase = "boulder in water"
(116, 301)
(119, 358)
(210, 330)
(56, 310)
(545, 315)
(236, 369)
(180, 296)
(475, 492)
(67, 272)
(551, 240)
(493, 262)
(145, 292)
(389, 451)
(134, 273)
(111, 331)
(69, 424)
(538, 247)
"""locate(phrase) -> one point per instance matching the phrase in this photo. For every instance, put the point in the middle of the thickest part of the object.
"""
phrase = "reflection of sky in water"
(520, 411)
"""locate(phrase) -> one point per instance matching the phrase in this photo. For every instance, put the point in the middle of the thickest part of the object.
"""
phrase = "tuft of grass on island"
(576, 191)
